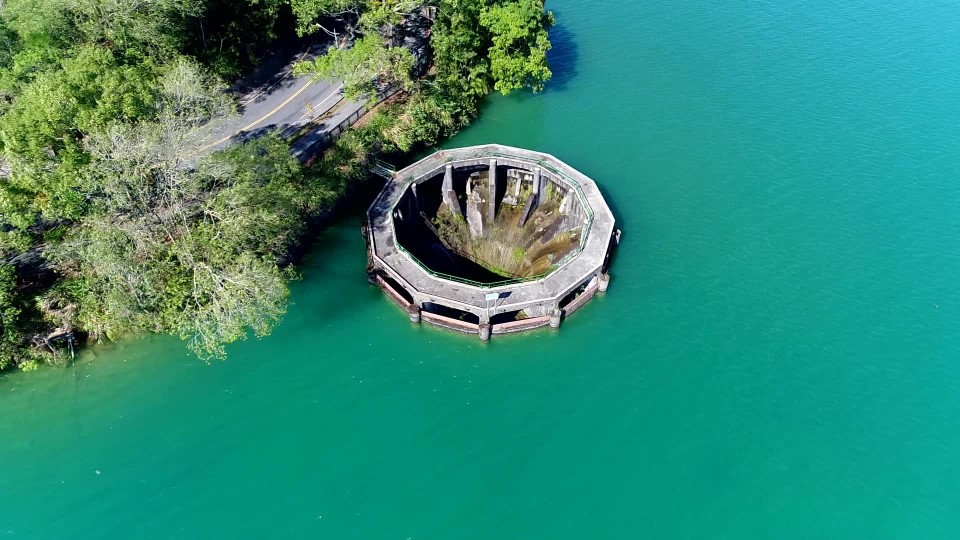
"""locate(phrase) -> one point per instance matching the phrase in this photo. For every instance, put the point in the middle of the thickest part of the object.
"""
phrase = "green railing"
(431, 164)
(377, 162)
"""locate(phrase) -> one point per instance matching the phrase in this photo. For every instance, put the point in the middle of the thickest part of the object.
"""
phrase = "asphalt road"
(301, 109)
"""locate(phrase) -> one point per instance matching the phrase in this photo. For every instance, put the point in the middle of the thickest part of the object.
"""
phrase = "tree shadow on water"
(562, 57)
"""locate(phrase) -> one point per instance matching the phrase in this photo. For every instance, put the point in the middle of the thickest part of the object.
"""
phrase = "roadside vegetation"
(115, 220)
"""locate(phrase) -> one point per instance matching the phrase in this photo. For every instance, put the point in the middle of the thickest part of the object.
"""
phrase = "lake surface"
(777, 356)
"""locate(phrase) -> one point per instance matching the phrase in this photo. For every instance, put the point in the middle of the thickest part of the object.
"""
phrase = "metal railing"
(327, 137)
(430, 164)
(352, 119)
(344, 125)
(382, 168)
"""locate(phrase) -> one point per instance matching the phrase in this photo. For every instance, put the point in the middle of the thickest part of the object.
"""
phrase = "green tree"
(136, 28)
(365, 67)
(42, 132)
(179, 241)
(8, 45)
(518, 57)
(462, 69)
(311, 14)
(181, 250)
(40, 23)
(10, 336)
(229, 36)
(103, 130)
(422, 119)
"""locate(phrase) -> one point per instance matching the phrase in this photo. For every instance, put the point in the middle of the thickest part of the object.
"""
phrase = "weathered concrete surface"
(579, 301)
(449, 195)
(414, 312)
(520, 325)
(483, 330)
(392, 293)
(449, 324)
(474, 217)
(492, 192)
(604, 283)
(544, 293)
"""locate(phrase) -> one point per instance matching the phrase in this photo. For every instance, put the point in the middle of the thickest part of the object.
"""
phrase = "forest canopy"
(113, 217)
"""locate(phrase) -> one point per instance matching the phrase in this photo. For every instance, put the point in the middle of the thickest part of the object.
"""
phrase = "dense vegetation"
(113, 217)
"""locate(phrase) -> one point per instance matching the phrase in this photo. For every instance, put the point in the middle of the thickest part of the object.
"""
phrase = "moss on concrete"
(505, 247)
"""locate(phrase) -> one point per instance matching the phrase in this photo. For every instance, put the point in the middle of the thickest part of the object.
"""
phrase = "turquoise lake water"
(777, 356)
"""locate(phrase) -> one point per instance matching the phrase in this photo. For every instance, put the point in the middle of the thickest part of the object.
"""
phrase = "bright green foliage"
(518, 57)
(179, 249)
(458, 44)
(42, 132)
(377, 14)
(186, 251)
(102, 91)
(479, 45)
(135, 28)
(41, 145)
(8, 45)
(40, 24)
(462, 70)
(103, 122)
(10, 337)
(311, 13)
(363, 68)
(422, 120)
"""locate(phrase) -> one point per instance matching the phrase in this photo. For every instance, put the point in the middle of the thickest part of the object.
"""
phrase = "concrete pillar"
(492, 198)
(474, 215)
(604, 283)
(414, 311)
(448, 176)
(565, 205)
(555, 318)
(449, 195)
(484, 331)
(539, 191)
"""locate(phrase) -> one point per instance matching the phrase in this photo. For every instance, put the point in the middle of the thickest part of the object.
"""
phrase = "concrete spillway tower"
(490, 239)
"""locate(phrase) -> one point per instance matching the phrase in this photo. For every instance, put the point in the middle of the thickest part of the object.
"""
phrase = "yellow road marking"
(262, 118)
(259, 92)
(315, 107)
